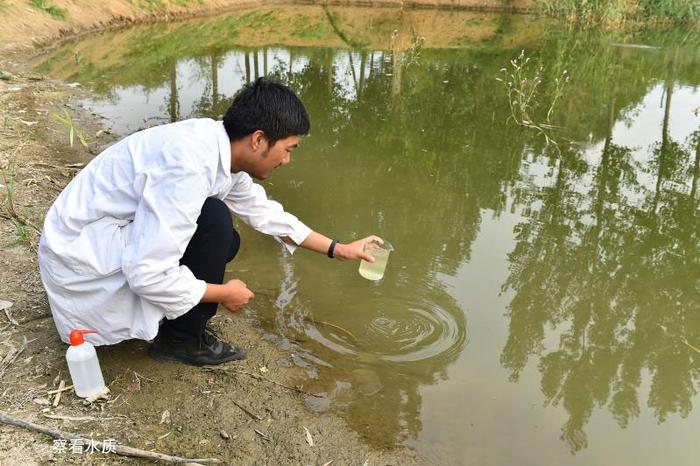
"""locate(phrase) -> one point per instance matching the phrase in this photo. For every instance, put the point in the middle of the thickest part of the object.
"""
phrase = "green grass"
(46, 7)
(22, 236)
(157, 5)
(334, 22)
(304, 30)
(7, 207)
(186, 2)
(620, 11)
(681, 10)
(67, 120)
(151, 5)
(8, 177)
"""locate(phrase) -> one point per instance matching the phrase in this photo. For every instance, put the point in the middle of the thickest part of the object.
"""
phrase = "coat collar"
(224, 148)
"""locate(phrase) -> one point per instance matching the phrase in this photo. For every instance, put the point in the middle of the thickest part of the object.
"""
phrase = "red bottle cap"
(76, 336)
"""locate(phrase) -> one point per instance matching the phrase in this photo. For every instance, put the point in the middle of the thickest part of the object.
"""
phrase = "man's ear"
(258, 140)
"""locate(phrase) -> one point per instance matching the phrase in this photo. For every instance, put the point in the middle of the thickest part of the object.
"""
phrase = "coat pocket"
(97, 251)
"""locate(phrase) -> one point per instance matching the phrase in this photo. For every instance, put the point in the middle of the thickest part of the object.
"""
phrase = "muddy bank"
(25, 25)
(249, 413)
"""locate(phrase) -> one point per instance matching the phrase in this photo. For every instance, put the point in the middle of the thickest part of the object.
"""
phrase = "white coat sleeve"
(249, 201)
(164, 222)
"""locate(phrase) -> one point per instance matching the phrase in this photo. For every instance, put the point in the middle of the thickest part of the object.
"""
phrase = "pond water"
(541, 304)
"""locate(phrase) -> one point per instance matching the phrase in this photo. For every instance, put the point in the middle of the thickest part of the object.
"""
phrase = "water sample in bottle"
(380, 253)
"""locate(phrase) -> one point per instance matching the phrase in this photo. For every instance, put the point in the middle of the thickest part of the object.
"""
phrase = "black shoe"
(208, 351)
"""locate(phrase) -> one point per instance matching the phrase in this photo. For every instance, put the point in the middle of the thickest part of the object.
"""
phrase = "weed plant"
(67, 120)
(413, 53)
(8, 178)
(523, 82)
(46, 7)
(22, 233)
(615, 12)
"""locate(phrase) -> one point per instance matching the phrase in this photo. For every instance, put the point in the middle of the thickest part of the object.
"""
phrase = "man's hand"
(356, 249)
(237, 295)
(234, 294)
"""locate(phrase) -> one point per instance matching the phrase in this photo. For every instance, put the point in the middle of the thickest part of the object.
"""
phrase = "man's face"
(274, 157)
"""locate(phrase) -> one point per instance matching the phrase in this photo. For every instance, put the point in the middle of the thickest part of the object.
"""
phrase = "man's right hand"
(237, 295)
(234, 294)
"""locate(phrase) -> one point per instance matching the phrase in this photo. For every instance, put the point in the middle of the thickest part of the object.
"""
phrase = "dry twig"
(247, 411)
(337, 327)
(259, 377)
(10, 211)
(11, 356)
(60, 417)
(5, 306)
(57, 398)
(60, 389)
(262, 434)
(690, 346)
(122, 450)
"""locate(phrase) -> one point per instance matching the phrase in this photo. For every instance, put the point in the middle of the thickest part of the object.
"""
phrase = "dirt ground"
(252, 412)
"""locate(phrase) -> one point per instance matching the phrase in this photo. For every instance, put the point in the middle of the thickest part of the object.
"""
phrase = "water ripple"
(416, 332)
(396, 331)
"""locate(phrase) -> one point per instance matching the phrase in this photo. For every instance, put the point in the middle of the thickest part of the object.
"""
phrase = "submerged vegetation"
(616, 12)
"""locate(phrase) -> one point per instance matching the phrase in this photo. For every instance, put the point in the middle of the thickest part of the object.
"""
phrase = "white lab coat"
(111, 244)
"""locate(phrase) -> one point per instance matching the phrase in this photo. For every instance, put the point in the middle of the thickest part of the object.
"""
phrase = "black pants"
(215, 242)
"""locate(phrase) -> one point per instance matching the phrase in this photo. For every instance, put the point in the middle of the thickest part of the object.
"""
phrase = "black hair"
(268, 106)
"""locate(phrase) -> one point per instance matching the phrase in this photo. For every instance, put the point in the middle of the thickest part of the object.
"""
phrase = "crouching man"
(136, 245)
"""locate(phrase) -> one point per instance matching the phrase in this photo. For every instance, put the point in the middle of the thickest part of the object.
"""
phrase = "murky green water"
(541, 306)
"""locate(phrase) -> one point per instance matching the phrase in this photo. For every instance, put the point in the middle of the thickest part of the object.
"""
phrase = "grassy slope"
(615, 12)
(37, 21)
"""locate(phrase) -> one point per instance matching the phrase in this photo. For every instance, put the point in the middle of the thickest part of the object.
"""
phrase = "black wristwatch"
(331, 248)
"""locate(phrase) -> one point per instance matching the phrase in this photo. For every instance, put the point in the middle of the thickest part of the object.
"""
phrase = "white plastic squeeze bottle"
(83, 365)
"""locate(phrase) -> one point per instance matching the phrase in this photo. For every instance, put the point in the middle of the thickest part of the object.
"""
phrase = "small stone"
(284, 362)
(5, 76)
(224, 435)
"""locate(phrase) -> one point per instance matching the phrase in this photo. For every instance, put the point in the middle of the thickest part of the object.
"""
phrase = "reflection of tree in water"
(211, 103)
(616, 279)
(439, 235)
